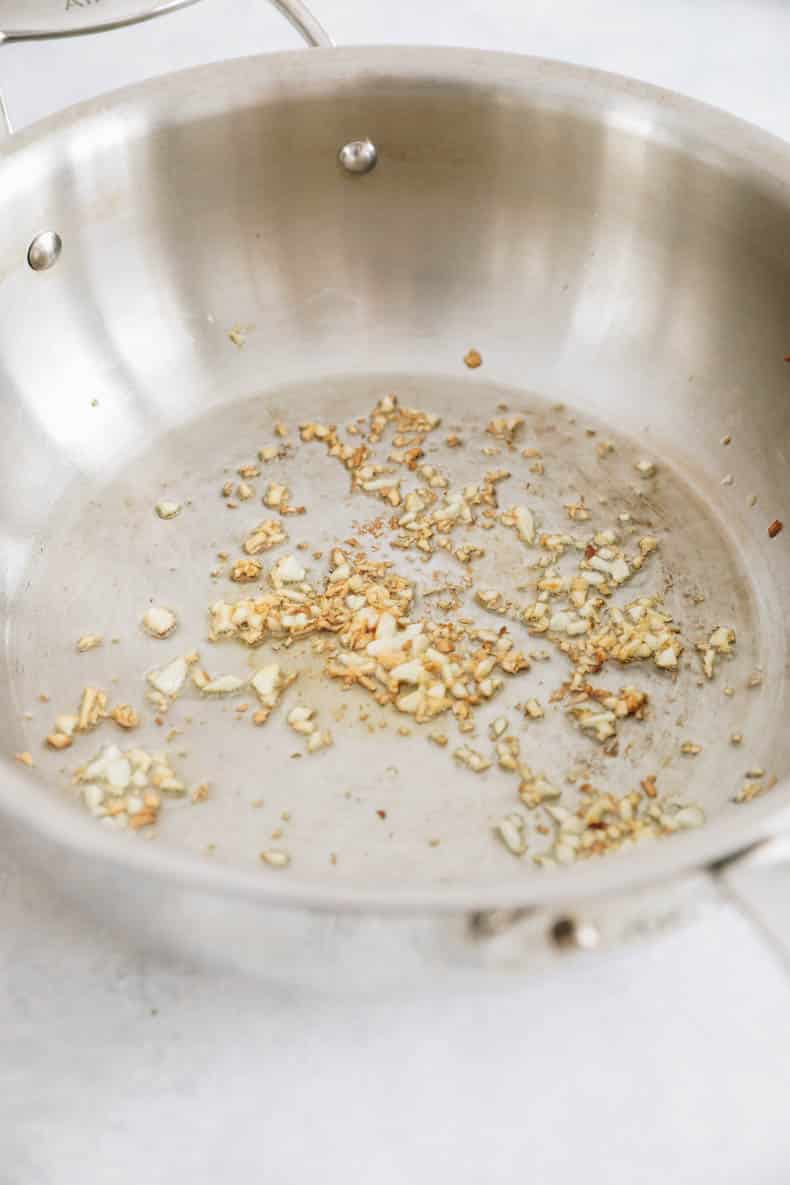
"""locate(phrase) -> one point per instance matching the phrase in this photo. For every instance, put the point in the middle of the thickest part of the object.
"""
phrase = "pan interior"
(380, 807)
(605, 247)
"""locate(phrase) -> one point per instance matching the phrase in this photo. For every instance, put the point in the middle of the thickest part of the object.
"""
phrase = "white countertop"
(667, 1061)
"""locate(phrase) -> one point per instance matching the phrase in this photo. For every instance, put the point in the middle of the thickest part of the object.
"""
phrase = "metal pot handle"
(77, 18)
(45, 20)
(756, 881)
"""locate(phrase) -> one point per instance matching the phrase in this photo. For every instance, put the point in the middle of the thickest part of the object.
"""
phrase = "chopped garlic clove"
(159, 622)
(265, 682)
(223, 685)
(471, 759)
(88, 642)
(287, 570)
(275, 858)
(168, 509)
(170, 679)
(318, 740)
(512, 832)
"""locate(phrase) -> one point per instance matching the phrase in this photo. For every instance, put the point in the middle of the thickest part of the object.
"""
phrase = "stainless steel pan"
(609, 247)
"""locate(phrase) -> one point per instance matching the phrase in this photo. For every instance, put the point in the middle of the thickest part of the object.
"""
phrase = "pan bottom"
(384, 805)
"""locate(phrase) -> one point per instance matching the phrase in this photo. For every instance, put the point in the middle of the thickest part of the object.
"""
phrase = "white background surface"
(666, 1062)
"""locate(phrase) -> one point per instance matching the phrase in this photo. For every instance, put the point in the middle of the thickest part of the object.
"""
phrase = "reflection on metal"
(307, 26)
(358, 156)
(568, 933)
(44, 252)
(6, 127)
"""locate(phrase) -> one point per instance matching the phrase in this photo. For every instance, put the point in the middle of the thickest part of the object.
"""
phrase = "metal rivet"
(358, 156)
(570, 934)
(44, 252)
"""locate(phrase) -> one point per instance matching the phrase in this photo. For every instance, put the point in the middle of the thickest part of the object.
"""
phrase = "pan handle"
(45, 22)
(756, 882)
(74, 21)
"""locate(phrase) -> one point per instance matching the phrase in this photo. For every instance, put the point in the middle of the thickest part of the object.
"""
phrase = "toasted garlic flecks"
(471, 759)
(382, 633)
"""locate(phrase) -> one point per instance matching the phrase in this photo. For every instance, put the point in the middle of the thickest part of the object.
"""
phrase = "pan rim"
(293, 75)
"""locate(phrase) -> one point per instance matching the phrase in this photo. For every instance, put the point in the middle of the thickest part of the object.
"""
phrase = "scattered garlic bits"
(597, 711)
(363, 618)
(428, 518)
(265, 536)
(422, 668)
(601, 823)
(93, 710)
(300, 719)
(605, 822)
(583, 625)
(293, 608)
(125, 789)
(639, 632)
(425, 669)
(411, 426)
(473, 359)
